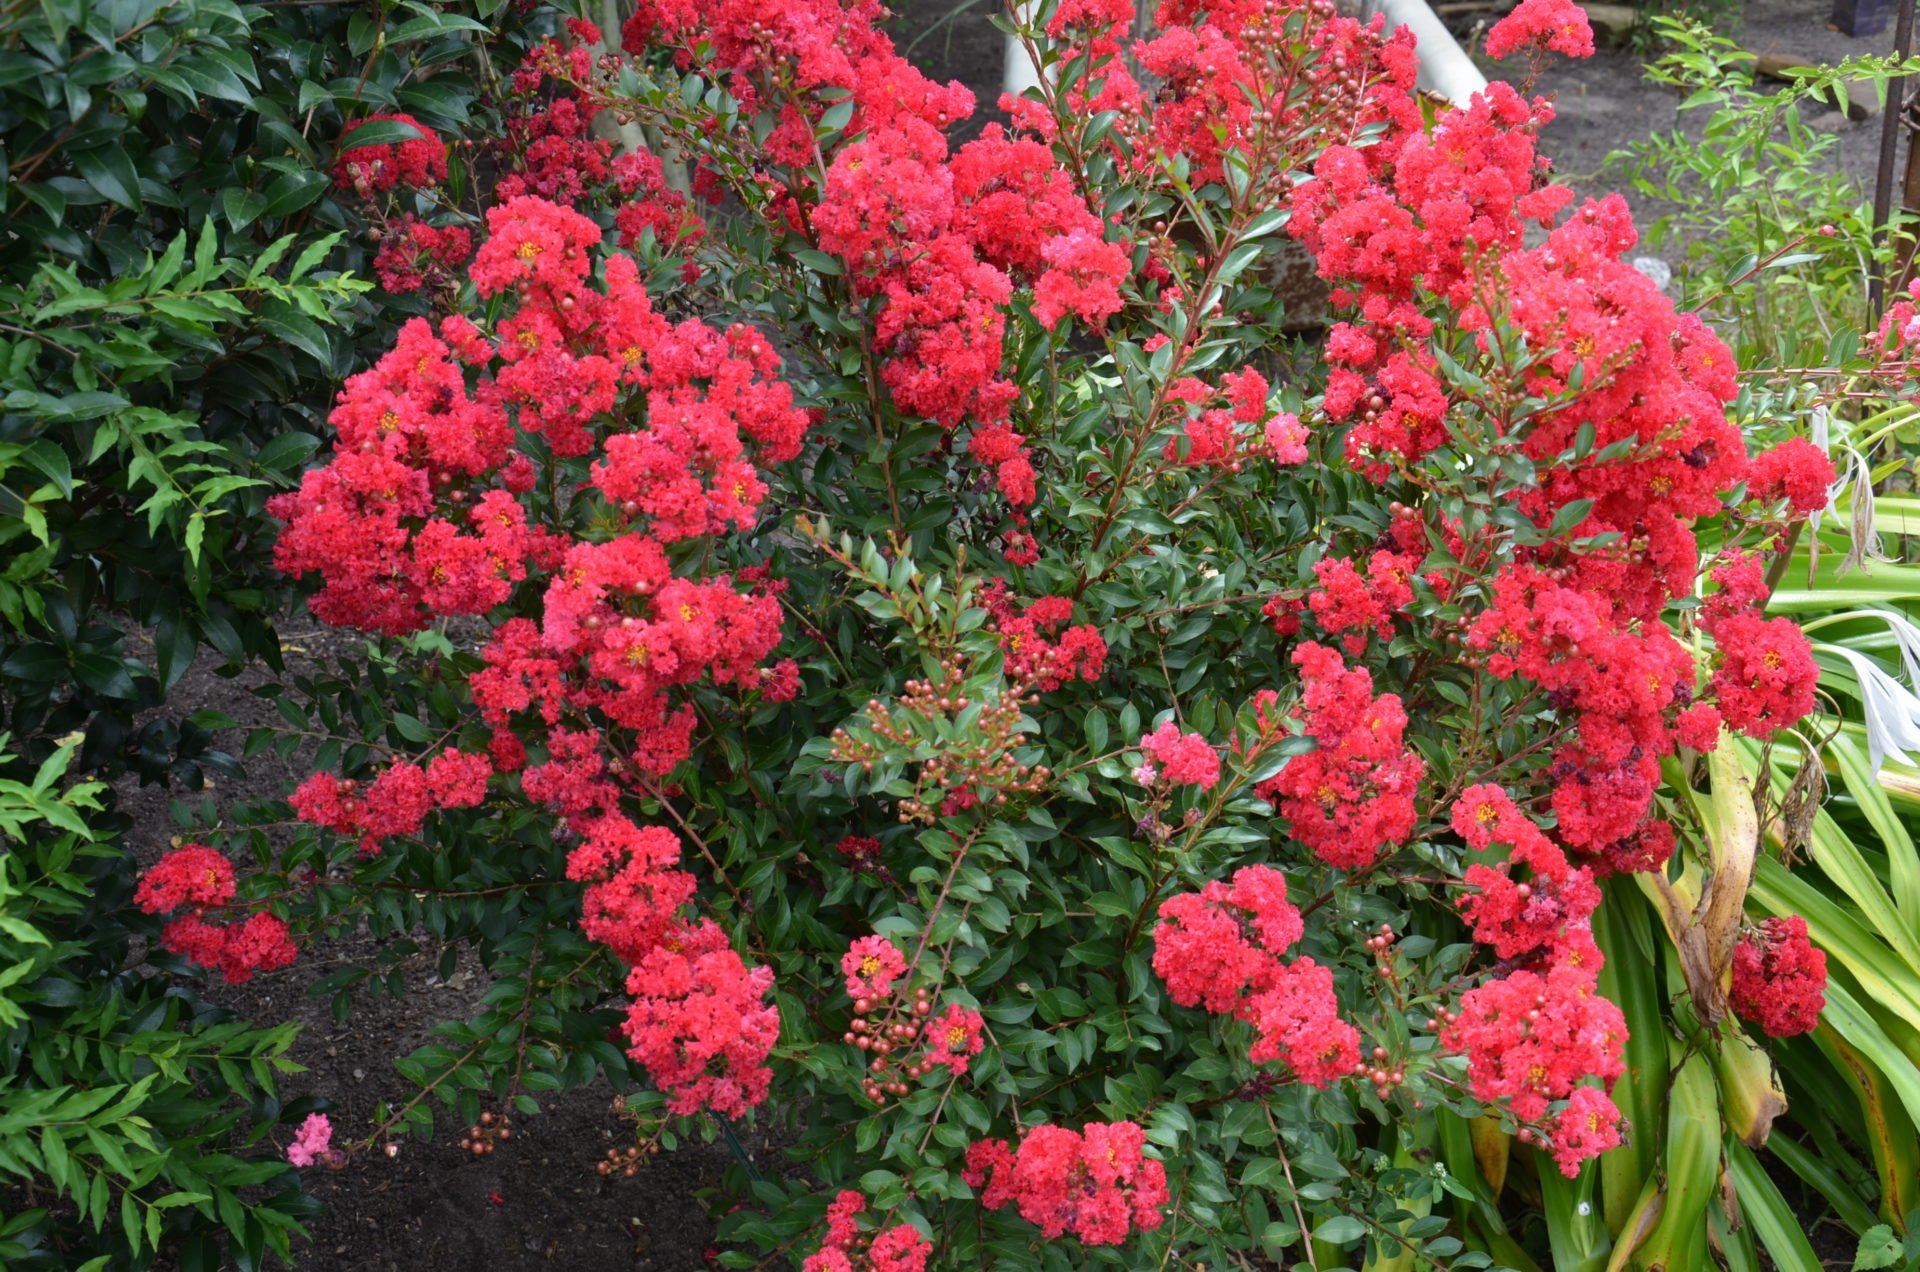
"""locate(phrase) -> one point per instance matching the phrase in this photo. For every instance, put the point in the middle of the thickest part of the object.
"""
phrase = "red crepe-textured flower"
(1766, 677)
(1083, 278)
(1796, 470)
(1348, 602)
(1214, 946)
(1040, 650)
(1530, 1039)
(1297, 1021)
(1779, 978)
(955, 1037)
(368, 167)
(634, 893)
(871, 965)
(533, 241)
(238, 950)
(1351, 797)
(700, 1024)
(1588, 1126)
(1185, 759)
(1559, 25)
(900, 1248)
(1286, 436)
(1095, 1183)
(1531, 904)
(195, 876)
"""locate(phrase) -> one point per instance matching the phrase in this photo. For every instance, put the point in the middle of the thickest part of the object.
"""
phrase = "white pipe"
(1445, 68)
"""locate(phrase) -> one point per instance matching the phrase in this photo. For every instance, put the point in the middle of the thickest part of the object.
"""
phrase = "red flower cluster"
(371, 167)
(1183, 759)
(396, 802)
(1531, 1038)
(1352, 796)
(937, 240)
(1779, 979)
(1534, 906)
(1795, 471)
(954, 1038)
(1220, 948)
(1588, 1126)
(700, 1024)
(698, 1020)
(900, 1248)
(1559, 25)
(1042, 650)
(422, 513)
(1213, 435)
(414, 255)
(200, 880)
(1349, 602)
(1095, 1183)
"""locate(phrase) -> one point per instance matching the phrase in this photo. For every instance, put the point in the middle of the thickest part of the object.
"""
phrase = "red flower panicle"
(1095, 1183)
(200, 880)
(1779, 978)
(1184, 759)
(370, 167)
(1350, 798)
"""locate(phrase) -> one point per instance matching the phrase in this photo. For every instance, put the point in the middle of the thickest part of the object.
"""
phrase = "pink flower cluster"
(200, 880)
(1182, 759)
(1095, 1183)
(312, 1142)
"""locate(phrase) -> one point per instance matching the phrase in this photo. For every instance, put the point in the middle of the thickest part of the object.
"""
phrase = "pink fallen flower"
(312, 1141)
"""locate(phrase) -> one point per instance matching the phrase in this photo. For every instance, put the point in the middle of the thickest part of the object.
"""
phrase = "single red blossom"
(367, 168)
(1766, 677)
(1796, 471)
(195, 877)
(871, 965)
(956, 1037)
(1588, 1126)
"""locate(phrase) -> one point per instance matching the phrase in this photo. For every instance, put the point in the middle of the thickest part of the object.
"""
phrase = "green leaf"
(1880, 1247)
(108, 170)
(1340, 1230)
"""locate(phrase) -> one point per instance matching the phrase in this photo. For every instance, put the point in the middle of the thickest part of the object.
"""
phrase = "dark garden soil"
(538, 1203)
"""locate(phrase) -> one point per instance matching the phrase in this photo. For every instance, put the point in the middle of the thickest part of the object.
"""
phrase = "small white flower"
(1583, 1209)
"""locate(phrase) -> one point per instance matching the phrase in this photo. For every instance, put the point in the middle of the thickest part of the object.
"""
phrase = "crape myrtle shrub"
(941, 686)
